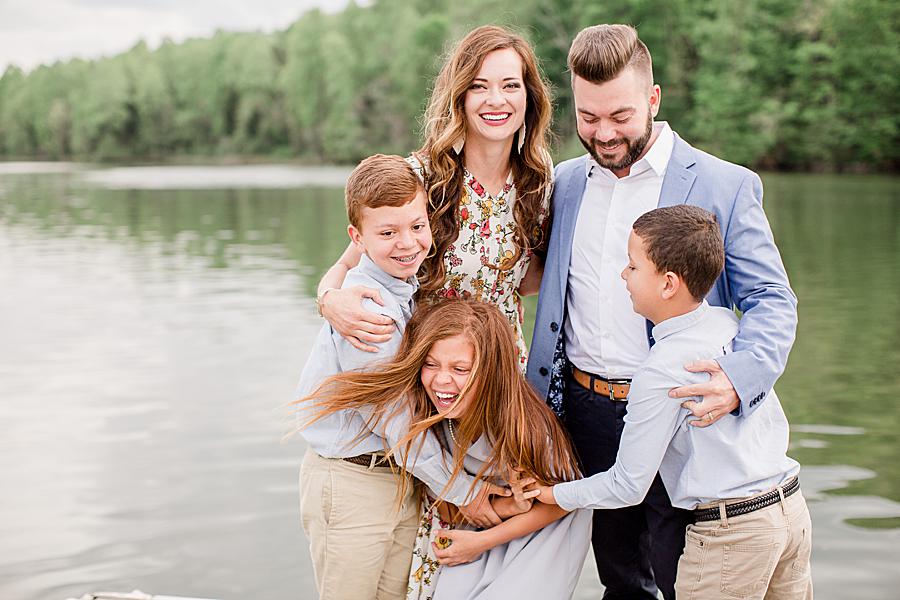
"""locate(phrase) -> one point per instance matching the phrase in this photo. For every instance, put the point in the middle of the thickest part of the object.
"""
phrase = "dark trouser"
(634, 546)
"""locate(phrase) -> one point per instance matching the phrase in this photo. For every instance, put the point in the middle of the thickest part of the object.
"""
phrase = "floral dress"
(485, 242)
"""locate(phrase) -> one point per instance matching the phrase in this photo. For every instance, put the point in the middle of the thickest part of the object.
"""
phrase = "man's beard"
(633, 148)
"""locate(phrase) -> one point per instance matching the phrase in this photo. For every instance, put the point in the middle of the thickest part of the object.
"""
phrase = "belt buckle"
(612, 392)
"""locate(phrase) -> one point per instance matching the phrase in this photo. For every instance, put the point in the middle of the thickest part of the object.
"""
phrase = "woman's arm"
(342, 308)
(531, 282)
(465, 546)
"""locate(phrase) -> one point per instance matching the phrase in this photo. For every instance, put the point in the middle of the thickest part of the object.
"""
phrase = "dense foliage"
(807, 84)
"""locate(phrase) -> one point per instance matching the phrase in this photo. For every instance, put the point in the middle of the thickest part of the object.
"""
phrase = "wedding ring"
(708, 416)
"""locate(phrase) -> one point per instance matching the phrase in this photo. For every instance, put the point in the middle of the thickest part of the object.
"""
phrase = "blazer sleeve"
(760, 289)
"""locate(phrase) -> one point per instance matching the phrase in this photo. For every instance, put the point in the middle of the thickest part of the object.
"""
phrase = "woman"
(456, 376)
(487, 172)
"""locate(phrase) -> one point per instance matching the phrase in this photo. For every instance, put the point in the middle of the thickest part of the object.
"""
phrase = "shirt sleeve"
(761, 291)
(351, 358)
(650, 424)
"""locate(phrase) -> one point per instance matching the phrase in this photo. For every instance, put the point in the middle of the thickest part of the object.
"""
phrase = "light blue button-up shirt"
(333, 436)
(735, 457)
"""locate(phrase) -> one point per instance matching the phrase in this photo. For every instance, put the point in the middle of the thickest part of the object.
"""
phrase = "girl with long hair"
(487, 173)
(456, 377)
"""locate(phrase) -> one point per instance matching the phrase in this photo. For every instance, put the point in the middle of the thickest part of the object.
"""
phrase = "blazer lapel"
(571, 204)
(679, 178)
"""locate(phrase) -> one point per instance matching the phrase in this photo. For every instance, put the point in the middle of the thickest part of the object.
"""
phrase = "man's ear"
(655, 98)
(671, 286)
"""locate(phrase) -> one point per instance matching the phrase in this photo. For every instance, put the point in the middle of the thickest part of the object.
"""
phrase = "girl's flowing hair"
(523, 432)
(445, 123)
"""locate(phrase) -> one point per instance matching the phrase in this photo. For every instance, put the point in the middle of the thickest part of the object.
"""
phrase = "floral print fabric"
(485, 243)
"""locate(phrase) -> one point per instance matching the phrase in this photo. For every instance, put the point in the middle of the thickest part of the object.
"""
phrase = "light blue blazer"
(754, 279)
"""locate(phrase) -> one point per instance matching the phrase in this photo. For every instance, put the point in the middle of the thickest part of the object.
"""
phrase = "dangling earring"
(521, 142)
(459, 143)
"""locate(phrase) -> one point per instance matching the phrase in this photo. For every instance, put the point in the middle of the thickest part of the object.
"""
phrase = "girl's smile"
(445, 374)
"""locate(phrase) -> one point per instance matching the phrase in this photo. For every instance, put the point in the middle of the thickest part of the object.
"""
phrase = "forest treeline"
(797, 85)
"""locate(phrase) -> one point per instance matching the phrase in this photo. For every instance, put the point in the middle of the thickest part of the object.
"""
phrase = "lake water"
(153, 323)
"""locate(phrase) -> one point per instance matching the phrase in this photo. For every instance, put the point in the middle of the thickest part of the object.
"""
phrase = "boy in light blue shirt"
(361, 538)
(734, 474)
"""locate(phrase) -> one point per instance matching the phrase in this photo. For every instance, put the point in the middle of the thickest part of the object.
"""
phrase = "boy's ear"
(356, 237)
(671, 285)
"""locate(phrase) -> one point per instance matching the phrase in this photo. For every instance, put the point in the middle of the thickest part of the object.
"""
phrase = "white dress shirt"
(604, 335)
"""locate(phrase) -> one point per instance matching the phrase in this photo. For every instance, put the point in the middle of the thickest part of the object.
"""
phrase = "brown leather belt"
(372, 460)
(614, 389)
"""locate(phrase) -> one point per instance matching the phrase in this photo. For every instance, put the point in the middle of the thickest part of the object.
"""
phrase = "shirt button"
(543, 371)
(554, 327)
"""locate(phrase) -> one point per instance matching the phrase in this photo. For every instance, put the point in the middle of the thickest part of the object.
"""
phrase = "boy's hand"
(479, 511)
(521, 499)
(457, 546)
(719, 397)
(545, 494)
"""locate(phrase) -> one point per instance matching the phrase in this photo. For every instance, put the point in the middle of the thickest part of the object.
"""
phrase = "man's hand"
(719, 397)
(479, 511)
(458, 546)
(344, 311)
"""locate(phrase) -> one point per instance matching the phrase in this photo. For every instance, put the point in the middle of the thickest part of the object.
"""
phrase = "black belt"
(372, 460)
(748, 506)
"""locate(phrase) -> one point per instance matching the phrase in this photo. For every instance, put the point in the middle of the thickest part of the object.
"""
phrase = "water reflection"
(150, 337)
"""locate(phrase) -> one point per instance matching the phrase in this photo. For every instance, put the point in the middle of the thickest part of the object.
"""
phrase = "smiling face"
(445, 374)
(615, 118)
(496, 99)
(396, 238)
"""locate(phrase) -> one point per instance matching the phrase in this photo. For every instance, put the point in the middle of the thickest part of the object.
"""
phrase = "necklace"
(452, 434)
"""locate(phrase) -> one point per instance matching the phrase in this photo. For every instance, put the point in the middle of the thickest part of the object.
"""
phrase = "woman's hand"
(343, 309)
(458, 546)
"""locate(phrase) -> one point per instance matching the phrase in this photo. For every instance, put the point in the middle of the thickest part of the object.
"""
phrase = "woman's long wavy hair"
(445, 122)
(523, 432)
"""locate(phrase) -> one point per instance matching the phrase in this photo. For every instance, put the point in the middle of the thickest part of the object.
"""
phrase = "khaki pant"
(760, 555)
(361, 544)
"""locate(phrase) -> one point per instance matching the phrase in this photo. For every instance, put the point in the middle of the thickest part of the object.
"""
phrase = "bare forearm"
(537, 518)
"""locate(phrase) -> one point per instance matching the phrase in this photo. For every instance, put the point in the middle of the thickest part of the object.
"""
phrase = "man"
(588, 340)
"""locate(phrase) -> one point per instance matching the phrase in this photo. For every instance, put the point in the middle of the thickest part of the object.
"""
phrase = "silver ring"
(708, 416)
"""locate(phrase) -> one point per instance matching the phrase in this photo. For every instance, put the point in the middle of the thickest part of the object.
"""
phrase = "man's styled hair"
(686, 240)
(601, 52)
(379, 180)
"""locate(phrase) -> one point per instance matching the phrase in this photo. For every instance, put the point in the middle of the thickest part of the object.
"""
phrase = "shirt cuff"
(566, 495)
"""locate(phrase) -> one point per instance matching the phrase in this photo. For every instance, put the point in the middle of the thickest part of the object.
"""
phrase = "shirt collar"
(657, 157)
(402, 288)
(680, 323)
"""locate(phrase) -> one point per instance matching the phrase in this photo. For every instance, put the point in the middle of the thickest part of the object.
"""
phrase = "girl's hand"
(343, 309)
(479, 511)
(458, 546)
